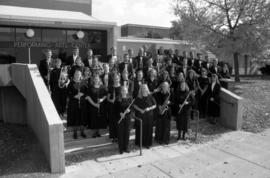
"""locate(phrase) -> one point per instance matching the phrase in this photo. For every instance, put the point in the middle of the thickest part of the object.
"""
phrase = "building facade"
(52, 28)
(144, 31)
(84, 6)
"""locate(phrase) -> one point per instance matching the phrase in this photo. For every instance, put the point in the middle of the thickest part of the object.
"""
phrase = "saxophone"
(62, 79)
(163, 108)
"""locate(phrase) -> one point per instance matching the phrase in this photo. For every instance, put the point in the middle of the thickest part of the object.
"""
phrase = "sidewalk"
(235, 154)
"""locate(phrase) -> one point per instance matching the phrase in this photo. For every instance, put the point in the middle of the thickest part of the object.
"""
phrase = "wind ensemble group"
(152, 88)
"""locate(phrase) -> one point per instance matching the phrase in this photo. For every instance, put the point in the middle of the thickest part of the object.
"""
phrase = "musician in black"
(95, 96)
(87, 76)
(113, 114)
(152, 81)
(144, 105)
(193, 85)
(184, 100)
(177, 59)
(45, 67)
(206, 64)
(164, 77)
(126, 65)
(76, 94)
(89, 59)
(191, 60)
(198, 64)
(215, 69)
(58, 85)
(162, 132)
(78, 65)
(224, 74)
(140, 60)
(70, 61)
(125, 81)
(139, 80)
(213, 91)
(203, 86)
(124, 103)
(96, 67)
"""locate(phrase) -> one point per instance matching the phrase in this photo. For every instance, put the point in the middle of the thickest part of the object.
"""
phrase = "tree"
(225, 27)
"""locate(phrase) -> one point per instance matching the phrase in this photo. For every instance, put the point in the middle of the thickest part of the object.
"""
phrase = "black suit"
(44, 71)
(213, 106)
(140, 62)
(215, 70)
(86, 62)
(70, 60)
(121, 67)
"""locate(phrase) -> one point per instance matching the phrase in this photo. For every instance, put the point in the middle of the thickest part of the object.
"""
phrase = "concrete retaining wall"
(42, 116)
(5, 75)
(231, 110)
(12, 106)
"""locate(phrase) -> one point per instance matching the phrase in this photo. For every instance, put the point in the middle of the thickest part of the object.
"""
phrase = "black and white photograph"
(132, 89)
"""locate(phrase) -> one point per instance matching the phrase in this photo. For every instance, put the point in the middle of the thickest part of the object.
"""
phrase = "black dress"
(152, 85)
(213, 106)
(44, 70)
(136, 88)
(97, 117)
(147, 121)
(124, 125)
(202, 103)
(59, 95)
(113, 111)
(162, 132)
(74, 111)
(183, 117)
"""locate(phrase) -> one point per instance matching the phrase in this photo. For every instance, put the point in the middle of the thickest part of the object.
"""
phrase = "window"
(53, 35)
(6, 34)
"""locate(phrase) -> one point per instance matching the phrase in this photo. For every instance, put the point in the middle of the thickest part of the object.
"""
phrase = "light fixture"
(80, 34)
(30, 33)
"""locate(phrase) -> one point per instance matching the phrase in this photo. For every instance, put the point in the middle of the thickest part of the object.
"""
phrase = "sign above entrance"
(25, 44)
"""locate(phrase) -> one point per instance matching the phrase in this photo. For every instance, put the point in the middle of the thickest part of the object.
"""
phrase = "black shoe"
(75, 135)
(98, 134)
(114, 140)
(94, 135)
(179, 137)
(127, 151)
(83, 134)
(121, 152)
(147, 147)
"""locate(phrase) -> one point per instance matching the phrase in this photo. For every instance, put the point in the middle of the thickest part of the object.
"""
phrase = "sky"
(145, 12)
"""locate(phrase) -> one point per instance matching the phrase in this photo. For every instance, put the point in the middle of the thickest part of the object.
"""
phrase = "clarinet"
(181, 106)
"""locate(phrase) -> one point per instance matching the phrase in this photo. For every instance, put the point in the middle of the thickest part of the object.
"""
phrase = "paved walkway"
(235, 154)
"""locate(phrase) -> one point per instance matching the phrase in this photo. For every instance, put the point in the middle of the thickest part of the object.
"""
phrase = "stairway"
(90, 144)
(79, 145)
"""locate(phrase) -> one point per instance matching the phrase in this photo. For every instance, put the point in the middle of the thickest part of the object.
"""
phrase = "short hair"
(47, 50)
(75, 48)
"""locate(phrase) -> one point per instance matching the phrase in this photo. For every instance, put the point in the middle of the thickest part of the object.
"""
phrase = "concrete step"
(73, 146)
(80, 145)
